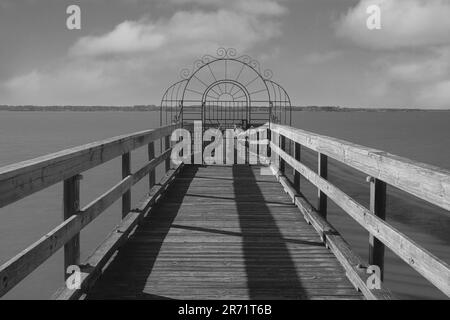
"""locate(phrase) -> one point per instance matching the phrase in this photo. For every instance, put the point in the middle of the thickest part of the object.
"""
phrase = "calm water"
(416, 135)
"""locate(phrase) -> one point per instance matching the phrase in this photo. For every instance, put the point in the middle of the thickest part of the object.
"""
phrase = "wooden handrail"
(350, 261)
(20, 180)
(381, 166)
(97, 260)
(424, 181)
(25, 178)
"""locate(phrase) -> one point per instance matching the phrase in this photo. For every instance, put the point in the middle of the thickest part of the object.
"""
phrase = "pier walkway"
(224, 233)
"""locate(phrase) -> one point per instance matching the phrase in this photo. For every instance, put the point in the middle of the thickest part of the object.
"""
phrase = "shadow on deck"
(224, 233)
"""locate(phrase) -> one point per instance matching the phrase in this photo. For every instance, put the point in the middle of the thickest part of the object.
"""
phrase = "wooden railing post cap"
(370, 179)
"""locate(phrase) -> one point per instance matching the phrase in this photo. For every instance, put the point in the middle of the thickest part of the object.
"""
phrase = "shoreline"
(157, 108)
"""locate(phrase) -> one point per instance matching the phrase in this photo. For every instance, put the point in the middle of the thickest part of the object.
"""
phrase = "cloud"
(128, 36)
(185, 29)
(321, 57)
(66, 84)
(410, 53)
(405, 24)
(124, 62)
(432, 65)
(436, 95)
(253, 7)
(260, 7)
(421, 77)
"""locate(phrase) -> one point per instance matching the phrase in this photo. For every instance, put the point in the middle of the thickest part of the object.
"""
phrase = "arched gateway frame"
(226, 91)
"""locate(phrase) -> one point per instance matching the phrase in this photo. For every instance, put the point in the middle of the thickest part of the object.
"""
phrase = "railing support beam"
(126, 171)
(282, 147)
(378, 208)
(258, 147)
(322, 171)
(297, 153)
(71, 205)
(167, 147)
(151, 156)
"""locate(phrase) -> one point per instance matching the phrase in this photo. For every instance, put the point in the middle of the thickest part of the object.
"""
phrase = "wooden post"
(296, 173)
(247, 150)
(258, 137)
(151, 156)
(192, 146)
(126, 171)
(167, 146)
(378, 208)
(322, 168)
(275, 158)
(71, 205)
(282, 147)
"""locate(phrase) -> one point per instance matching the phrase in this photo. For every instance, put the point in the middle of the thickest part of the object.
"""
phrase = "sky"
(321, 51)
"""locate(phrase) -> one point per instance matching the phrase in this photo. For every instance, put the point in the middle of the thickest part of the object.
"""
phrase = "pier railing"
(20, 180)
(426, 182)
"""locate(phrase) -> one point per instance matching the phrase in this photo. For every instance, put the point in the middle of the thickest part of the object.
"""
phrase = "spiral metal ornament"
(185, 73)
(231, 52)
(226, 84)
(267, 74)
(222, 54)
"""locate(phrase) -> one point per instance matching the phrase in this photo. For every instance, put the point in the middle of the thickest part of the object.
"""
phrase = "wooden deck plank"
(224, 233)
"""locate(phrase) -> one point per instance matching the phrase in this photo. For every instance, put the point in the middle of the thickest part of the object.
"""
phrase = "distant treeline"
(142, 108)
(79, 108)
(345, 109)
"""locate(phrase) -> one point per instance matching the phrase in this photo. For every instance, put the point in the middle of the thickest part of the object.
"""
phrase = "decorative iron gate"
(226, 91)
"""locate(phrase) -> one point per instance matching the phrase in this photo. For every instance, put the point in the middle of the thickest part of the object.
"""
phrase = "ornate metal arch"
(226, 84)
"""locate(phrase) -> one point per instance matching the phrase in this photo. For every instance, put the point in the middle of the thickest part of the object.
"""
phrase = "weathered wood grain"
(17, 268)
(126, 171)
(350, 261)
(432, 268)
(424, 181)
(297, 154)
(378, 208)
(151, 155)
(92, 268)
(25, 178)
(322, 171)
(71, 206)
(245, 239)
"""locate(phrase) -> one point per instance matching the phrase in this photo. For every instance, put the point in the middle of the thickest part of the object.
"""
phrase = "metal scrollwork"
(225, 87)
(185, 73)
(223, 54)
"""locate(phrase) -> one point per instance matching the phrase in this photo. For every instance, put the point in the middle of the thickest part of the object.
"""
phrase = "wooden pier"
(225, 232)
